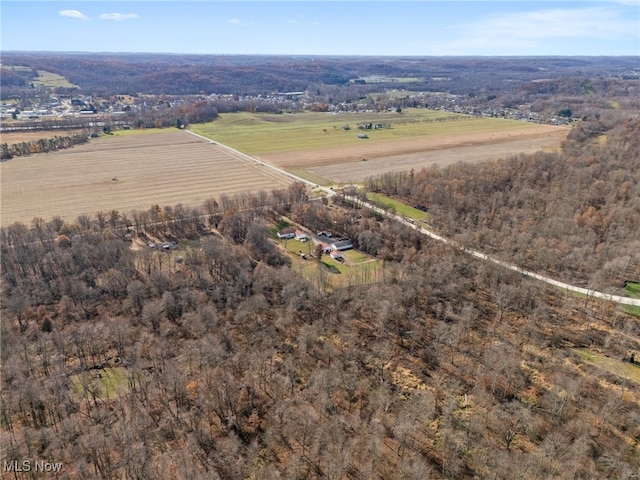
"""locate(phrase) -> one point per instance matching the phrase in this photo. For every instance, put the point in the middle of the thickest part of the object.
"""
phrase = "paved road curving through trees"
(474, 253)
(483, 256)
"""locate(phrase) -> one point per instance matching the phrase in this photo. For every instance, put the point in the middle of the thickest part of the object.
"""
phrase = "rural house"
(287, 233)
(341, 245)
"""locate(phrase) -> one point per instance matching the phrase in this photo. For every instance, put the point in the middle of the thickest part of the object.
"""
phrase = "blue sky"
(373, 27)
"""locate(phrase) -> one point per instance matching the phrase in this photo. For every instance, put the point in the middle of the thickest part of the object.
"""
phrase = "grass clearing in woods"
(611, 365)
(399, 207)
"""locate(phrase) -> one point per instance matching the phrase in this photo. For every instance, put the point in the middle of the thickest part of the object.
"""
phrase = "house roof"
(342, 244)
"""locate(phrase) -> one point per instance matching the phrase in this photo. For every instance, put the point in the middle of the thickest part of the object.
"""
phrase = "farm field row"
(416, 138)
(263, 133)
(419, 154)
(125, 173)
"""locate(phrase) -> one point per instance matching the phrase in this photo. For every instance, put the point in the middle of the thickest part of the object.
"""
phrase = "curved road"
(474, 253)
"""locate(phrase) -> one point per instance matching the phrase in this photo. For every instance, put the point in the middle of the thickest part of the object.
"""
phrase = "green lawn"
(613, 365)
(262, 133)
(357, 269)
(632, 290)
(105, 383)
(141, 131)
(399, 207)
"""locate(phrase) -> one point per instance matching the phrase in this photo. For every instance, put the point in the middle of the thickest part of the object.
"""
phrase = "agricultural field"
(319, 144)
(31, 135)
(52, 80)
(126, 172)
(44, 78)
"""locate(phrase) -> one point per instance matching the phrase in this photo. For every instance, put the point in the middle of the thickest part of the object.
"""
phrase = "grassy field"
(358, 268)
(399, 207)
(612, 365)
(124, 172)
(104, 383)
(632, 290)
(317, 147)
(52, 80)
(46, 79)
(260, 134)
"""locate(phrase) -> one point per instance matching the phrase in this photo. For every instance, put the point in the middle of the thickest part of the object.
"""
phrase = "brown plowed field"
(28, 136)
(345, 164)
(165, 169)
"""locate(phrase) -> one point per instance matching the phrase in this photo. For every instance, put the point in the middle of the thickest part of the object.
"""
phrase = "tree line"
(43, 145)
(573, 214)
(228, 364)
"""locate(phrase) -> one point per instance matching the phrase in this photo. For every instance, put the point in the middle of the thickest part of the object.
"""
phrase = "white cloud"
(237, 21)
(73, 14)
(118, 16)
(506, 31)
(580, 22)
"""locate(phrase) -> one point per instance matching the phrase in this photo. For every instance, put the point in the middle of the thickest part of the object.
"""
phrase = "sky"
(338, 27)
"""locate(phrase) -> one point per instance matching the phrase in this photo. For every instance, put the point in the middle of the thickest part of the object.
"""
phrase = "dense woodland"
(582, 84)
(124, 363)
(574, 214)
(106, 74)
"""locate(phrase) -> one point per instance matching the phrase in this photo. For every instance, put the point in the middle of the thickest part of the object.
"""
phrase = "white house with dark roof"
(287, 233)
(342, 245)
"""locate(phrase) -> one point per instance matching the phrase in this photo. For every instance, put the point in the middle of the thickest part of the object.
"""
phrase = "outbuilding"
(337, 256)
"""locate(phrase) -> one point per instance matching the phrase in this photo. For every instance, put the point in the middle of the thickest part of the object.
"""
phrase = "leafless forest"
(574, 214)
(216, 360)
(227, 364)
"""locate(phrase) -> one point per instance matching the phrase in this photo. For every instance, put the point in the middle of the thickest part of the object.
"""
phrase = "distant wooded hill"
(195, 74)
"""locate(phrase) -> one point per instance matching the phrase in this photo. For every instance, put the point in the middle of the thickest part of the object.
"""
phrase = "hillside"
(252, 74)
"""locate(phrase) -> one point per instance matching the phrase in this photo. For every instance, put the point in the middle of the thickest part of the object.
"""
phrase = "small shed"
(336, 255)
